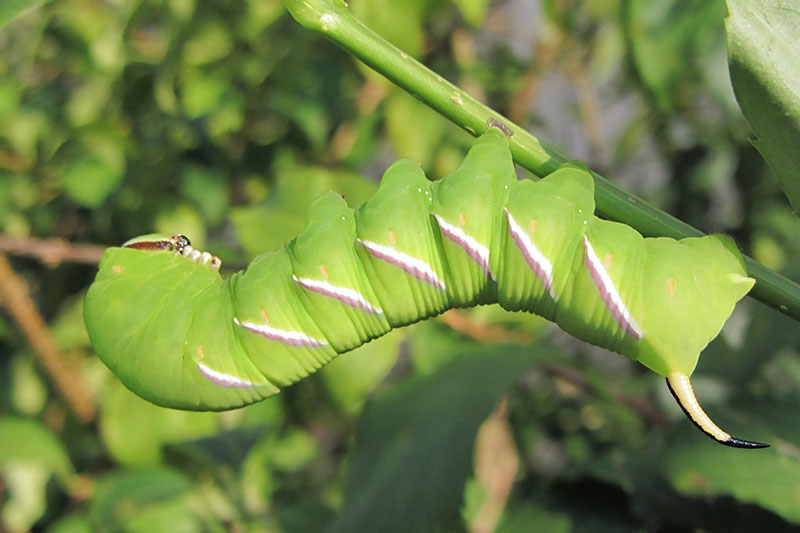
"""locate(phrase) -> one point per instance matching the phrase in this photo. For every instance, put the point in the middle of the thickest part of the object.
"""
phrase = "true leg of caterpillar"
(681, 390)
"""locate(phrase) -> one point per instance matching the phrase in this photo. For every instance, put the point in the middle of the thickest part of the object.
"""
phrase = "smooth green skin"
(400, 211)
(326, 250)
(153, 316)
(475, 193)
(148, 312)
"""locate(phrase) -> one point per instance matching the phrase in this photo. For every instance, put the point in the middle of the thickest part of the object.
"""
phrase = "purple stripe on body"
(416, 267)
(292, 338)
(224, 380)
(609, 293)
(540, 265)
(478, 252)
(347, 296)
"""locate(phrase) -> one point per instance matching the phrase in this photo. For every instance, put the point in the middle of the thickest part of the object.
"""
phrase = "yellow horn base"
(681, 388)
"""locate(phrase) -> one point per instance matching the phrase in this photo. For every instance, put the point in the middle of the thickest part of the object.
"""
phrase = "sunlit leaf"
(11, 9)
(29, 456)
(764, 52)
(135, 430)
(669, 43)
(352, 376)
(414, 129)
(147, 500)
(473, 11)
(284, 213)
(25, 439)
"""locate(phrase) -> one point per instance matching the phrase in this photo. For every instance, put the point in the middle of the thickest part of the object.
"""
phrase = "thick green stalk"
(334, 20)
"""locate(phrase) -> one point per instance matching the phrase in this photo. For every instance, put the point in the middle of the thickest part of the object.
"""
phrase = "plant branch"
(332, 19)
(15, 297)
(52, 251)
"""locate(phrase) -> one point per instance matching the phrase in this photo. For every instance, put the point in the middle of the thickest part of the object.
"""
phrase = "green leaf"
(763, 56)
(149, 500)
(210, 41)
(473, 11)
(414, 447)
(352, 377)
(28, 391)
(770, 479)
(29, 440)
(94, 170)
(401, 23)
(29, 455)
(670, 42)
(284, 213)
(135, 430)
(206, 187)
(404, 115)
(519, 520)
(11, 9)
(76, 522)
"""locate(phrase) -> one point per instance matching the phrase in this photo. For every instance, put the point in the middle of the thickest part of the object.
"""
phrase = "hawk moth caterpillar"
(163, 319)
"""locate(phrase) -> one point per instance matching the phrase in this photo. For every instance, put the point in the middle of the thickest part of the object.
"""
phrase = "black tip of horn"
(699, 418)
(733, 442)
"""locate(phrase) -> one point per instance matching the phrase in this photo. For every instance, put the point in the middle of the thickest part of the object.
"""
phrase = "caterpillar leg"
(681, 388)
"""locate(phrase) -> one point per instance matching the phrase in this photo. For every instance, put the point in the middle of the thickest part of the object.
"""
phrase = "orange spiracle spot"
(533, 225)
(324, 270)
(201, 353)
(462, 218)
(264, 315)
(392, 237)
(670, 286)
(608, 260)
(117, 268)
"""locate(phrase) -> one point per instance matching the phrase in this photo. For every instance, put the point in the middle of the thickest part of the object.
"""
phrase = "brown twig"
(52, 251)
(15, 297)
(461, 322)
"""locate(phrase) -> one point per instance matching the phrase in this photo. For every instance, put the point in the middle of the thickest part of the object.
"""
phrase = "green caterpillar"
(178, 334)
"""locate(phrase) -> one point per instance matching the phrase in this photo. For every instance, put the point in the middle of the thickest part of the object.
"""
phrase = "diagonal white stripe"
(478, 252)
(416, 267)
(292, 338)
(609, 292)
(345, 295)
(540, 265)
(224, 380)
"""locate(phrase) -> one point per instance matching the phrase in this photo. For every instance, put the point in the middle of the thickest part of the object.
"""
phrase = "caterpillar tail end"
(681, 389)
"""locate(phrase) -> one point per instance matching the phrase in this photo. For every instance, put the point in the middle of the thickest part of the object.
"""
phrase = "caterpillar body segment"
(273, 324)
(468, 210)
(400, 247)
(413, 250)
(330, 279)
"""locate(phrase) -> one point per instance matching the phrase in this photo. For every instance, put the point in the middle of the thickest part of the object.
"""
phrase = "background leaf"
(415, 444)
(11, 9)
(763, 56)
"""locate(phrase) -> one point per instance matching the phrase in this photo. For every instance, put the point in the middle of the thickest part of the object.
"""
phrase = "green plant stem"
(334, 20)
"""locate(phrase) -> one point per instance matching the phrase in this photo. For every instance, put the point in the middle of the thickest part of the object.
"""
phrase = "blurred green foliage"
(224, 120)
